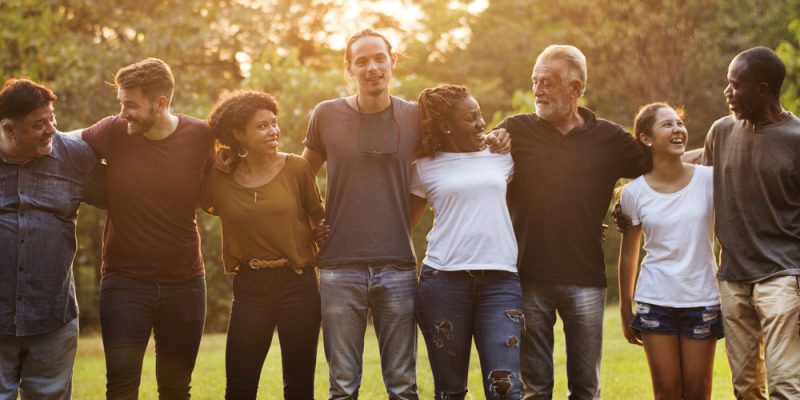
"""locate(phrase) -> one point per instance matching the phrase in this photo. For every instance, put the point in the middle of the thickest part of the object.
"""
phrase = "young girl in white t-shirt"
(677, 315)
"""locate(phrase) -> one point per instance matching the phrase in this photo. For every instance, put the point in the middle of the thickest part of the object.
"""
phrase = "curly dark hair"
(233, 112)
(436, 105)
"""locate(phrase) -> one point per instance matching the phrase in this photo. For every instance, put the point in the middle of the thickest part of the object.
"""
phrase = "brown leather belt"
(258, 263)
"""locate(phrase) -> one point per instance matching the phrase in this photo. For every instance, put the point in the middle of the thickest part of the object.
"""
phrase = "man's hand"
(623, 221)
(321, 232)
(223, 160)
(498, 140)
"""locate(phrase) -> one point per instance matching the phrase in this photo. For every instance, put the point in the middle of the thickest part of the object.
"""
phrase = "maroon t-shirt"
(153, 188)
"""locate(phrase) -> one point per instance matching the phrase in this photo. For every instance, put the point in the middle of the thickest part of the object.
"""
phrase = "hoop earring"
(242, 153)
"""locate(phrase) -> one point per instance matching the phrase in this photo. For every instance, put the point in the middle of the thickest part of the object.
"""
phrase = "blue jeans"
(262, 301)
(581, 311)
(348, 293)
(454, 306)
(130, 310)
(39, 367)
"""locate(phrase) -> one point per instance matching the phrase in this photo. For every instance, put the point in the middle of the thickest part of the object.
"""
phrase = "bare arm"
(693, 156)
(313, 158)
(417, 208)
(628, 265)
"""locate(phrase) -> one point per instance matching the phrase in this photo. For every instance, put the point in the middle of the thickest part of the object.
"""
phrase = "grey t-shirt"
(756, 197)
(369, 164)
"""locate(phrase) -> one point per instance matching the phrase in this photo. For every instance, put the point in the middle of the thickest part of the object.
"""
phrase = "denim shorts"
(693, 322)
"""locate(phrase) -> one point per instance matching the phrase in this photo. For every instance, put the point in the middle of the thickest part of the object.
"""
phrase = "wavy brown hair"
(436, 105)
(151, 75)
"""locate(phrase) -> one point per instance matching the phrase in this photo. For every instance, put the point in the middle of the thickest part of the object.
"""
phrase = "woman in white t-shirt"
(469, 286)
(677, 299)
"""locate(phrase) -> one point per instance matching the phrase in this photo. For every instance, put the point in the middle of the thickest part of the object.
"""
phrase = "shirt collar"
(56, 152)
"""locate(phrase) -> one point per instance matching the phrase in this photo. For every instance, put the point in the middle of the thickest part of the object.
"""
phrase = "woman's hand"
(321, 231)
(631, 335)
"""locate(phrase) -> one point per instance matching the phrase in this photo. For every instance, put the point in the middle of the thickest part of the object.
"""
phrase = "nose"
(481, 123)
(727, 91)
(537, 91)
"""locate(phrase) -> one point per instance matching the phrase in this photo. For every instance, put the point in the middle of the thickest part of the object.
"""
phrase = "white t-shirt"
(679, 269)
(471, 226)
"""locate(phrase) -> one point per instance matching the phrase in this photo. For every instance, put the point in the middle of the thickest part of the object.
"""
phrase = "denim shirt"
(39, 203)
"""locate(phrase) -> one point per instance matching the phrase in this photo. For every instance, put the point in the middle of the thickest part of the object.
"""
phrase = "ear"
(7, 126)
(162, 102)
(394, 60)
(238, 134)
(575, 87)
(444, 127)
(763, 89)
(644, 139)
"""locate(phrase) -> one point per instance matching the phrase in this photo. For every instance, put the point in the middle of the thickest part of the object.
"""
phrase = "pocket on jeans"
(428, 272)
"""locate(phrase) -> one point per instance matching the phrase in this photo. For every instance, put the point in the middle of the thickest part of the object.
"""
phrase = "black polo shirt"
(561, 191)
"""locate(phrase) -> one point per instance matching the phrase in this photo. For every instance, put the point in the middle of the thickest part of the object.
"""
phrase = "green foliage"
(789, 51)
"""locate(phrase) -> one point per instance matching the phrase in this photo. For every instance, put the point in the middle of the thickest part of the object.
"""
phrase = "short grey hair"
(574, 59)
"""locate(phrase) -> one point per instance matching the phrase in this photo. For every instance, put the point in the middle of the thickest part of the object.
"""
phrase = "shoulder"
(194, 125)
(74, 151)
(330, 105)
(723, 125)
(612, 129)
(520, 123)
(405, 106)
(106, 126)
(298, 164)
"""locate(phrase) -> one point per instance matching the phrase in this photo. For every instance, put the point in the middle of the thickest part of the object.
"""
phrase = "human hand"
(631, 335)
(321, 231)
(622, 221)
(498, 140)
(223, 160)
(693, 156)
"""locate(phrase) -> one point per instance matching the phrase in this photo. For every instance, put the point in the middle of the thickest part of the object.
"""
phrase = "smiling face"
(260, 134)
(555, 97)
(371, 65)
(140, 112)
(668, 136)
(33, 134)
(466, 126)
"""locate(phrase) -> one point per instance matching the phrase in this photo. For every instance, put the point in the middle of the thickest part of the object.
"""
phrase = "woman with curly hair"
(267, 206)
(469, 286)
(677, 317)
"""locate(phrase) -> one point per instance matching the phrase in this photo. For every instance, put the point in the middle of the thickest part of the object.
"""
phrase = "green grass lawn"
(624, 373)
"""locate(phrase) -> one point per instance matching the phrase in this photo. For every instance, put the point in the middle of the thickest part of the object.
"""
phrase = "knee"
(501, 383)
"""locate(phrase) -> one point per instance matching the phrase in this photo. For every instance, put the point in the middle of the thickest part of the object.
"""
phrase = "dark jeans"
(263, 300)
(129, 310)
(452, 307)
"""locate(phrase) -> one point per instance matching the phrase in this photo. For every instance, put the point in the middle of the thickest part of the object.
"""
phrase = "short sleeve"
(311, 198)
(417, 188)
(632, 160)
(708, 148)
(99, 135)
(629, 204)
(313, 138)
(207, 192)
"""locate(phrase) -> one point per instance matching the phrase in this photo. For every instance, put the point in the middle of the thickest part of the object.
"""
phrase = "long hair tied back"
(435, 106)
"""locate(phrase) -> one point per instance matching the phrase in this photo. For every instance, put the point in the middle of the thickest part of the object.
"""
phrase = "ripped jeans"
(452, 307)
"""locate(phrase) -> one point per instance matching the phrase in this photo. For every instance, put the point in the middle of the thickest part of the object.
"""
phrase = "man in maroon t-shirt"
(153, 273)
